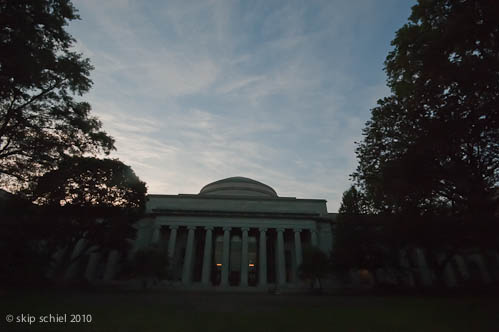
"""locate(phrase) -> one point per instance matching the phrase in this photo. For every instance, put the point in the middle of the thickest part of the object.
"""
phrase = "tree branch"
(11, 111)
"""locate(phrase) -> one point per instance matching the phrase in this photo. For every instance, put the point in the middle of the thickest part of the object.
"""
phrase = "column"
(298, 252)
(75, 259)
(156, 234)
(187, 268)
(171, 242)
(56, 261)
(313, 237)
(294, 267)
(111, 266)
(461, 265)
(483, 269)
(449, 277)
(205, 276)
(262, 259)
(244, 257)
(93, 261)
(423, 267)
(404, 262)
(495, 271)
(281, 266)
(225, 257)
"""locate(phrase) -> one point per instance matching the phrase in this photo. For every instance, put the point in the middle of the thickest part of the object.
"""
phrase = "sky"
(277, 91)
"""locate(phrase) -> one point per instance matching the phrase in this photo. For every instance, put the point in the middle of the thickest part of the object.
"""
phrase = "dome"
(238, 186)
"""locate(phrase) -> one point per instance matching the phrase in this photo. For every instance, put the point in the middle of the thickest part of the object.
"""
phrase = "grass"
(189, 311)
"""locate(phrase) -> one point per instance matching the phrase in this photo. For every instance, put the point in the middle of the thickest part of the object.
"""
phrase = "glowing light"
(251, 265)
(218, 264)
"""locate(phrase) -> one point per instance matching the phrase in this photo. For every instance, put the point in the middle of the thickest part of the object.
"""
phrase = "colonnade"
(419, 268)
(413, 259)
(207, 264)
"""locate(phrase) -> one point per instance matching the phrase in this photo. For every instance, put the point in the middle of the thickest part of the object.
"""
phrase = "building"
(235, 232)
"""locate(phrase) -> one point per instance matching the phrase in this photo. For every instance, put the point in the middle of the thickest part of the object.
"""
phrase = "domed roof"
(238, 186)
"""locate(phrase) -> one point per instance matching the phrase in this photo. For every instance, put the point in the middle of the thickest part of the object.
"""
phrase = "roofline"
(219, 213)
(229, 214)
(247, 198)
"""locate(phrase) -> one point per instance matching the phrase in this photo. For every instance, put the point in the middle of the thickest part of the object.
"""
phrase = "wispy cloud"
(195, 91)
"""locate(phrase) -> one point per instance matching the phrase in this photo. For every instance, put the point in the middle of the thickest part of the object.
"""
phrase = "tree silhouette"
(92, 199)
(363, 241)
(353, 202)
(429, 157)
(150, 265)
(90, 182)
(315, 266)
(40, 120)
(434, 144)
(84, 199)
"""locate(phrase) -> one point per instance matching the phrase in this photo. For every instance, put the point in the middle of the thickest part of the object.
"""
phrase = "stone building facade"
(235, 232)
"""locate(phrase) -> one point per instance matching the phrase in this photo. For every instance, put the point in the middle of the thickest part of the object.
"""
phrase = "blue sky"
(278, 91)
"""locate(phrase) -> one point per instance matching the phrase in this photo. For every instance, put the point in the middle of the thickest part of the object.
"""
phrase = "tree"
(353, 203)
(90, 182)
(150, 263)
(430, 152)
(363, 241)
(315, 266)
(24, 261)
(85, 199)
(40, 120)
(434, 144)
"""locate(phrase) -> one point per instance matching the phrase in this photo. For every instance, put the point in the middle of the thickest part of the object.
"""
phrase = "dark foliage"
(429, 159)
(150, 264)
(316, 265)
(40, 121)
(433, 146)
(90, 182)
(85, 198)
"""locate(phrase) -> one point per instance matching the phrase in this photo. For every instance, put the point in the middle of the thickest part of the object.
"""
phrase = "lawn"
(189, 311)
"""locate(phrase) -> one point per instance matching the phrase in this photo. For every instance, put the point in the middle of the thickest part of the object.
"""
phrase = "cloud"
(239, 84)
(196, 91)
(168, 74)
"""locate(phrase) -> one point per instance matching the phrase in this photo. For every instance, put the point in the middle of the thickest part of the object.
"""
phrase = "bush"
(150, 264)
